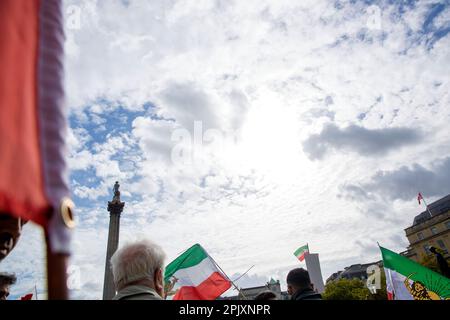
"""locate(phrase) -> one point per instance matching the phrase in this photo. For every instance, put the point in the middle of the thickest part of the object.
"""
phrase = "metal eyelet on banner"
(67, 208)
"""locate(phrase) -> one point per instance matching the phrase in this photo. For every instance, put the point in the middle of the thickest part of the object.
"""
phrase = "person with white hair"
(138, 271)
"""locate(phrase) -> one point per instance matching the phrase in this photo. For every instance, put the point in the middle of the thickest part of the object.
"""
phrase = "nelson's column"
(115, 208)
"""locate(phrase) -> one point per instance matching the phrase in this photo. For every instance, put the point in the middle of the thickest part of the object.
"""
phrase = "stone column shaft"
(115, 208)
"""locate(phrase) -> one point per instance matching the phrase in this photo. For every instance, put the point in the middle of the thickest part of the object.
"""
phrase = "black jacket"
(306, 294)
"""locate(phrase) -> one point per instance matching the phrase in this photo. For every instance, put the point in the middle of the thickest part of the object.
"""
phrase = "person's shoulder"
(141, 296)
(316, 296)
(136, 292)
(308, 295)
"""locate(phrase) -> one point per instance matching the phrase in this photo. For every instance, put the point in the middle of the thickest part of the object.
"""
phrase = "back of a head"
(298, 278)
(266, 295)
(136, 261)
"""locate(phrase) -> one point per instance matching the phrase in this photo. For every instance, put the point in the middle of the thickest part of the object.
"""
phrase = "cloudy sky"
(251, 127)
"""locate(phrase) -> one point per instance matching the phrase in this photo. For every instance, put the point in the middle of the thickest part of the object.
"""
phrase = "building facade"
(251, 293)
(355, 271)
(431, 228)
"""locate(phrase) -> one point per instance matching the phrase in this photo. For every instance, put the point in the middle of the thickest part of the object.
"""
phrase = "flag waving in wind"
(34, 178)
(34, 182)
(419, 197)
(195, 276)
(301, 252)
(408, 280)
(30, 294)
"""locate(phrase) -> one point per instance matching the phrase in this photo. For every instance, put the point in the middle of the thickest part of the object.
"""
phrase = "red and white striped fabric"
(33, 178)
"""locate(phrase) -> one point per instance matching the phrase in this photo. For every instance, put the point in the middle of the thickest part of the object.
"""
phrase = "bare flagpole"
(244, 273)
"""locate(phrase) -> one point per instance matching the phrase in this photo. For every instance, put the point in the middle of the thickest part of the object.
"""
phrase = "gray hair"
(137, 261)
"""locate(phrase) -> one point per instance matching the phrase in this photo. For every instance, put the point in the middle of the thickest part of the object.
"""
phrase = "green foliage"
(345, 289)
(354, 289)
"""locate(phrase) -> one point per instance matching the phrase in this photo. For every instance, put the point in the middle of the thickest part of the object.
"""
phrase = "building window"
(427, 249)
(442, 245)
(447, 224)
(434, 230)
(420, 236)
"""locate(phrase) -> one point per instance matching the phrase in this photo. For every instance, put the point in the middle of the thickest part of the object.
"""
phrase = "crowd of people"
(138, 270)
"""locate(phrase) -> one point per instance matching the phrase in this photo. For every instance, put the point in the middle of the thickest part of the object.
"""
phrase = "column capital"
(115, 207)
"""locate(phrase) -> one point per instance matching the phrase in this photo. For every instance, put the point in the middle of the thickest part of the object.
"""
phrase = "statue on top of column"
(116, 192)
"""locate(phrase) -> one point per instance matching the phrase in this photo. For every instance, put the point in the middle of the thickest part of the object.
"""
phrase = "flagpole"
(35, 291)
(234, 285)
(244, 273)
(426, 205)
(56, 274)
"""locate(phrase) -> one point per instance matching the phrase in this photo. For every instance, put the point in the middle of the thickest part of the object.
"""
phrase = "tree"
(346, 289)
(355, 289)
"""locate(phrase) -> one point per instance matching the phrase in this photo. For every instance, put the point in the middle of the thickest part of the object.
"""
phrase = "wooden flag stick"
(56, 275)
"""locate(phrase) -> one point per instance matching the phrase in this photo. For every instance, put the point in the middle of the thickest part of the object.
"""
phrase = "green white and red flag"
(301, 252)
(195, 276)
(419, 197)
(408, 280)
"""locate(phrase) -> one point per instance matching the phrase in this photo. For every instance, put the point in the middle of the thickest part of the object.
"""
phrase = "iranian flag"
(419, 197)
(195, 276)
(301, 252)
(408, 280)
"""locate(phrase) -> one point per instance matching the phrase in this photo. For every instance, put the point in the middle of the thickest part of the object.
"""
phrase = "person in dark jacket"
(442, 262)
(299, 285)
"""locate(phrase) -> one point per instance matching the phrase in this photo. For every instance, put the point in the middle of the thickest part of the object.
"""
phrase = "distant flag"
(195, 276)
(419, 197)
(30, 294)
(301, 252)
(408, 280)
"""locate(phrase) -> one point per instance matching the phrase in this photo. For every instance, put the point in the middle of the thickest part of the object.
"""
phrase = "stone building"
(252, 292)
(355, 271)
(431, 228)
